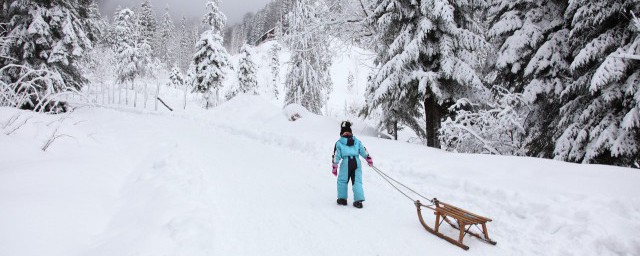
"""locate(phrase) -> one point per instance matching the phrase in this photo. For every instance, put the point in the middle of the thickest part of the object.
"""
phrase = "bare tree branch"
(18, 126)
(53, 138)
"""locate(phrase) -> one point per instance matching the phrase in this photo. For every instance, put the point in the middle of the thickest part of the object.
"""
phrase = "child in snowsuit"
(346, 150)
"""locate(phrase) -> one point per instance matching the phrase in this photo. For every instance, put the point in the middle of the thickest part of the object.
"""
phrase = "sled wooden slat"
(464, 220)
(473, 215)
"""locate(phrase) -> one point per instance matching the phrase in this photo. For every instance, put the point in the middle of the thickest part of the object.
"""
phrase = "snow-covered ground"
(241, 179)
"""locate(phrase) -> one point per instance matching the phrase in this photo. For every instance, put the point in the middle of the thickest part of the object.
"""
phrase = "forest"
(555, 79)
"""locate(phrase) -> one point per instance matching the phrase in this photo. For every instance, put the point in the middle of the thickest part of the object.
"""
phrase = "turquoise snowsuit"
(347, 150)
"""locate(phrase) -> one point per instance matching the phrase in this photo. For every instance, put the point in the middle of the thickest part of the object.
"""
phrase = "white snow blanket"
(242, 179)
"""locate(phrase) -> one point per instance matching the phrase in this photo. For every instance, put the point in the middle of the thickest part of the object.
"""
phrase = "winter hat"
(345, 127)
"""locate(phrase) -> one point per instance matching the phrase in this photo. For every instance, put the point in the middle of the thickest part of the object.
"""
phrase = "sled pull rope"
(389, 180)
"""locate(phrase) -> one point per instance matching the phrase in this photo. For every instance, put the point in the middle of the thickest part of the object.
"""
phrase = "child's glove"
(370, 161)
(335, 170)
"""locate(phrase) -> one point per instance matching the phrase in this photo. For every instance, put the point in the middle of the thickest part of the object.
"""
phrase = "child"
(346, 150)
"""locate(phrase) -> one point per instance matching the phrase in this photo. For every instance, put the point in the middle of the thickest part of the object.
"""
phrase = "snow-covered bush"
(247, 81)
(495, 129)
(295, 111)
(35, 89)
(176, 80)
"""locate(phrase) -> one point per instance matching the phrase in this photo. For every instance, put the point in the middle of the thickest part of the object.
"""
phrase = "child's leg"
(343, 179)
(358, 191)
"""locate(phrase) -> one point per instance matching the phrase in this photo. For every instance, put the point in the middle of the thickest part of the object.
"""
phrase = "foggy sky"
(233, 9)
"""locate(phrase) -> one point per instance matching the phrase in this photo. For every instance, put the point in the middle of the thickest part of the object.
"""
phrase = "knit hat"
(345, 127)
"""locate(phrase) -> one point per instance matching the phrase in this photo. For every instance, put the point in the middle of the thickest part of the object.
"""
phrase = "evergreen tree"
(211, 58)
(274, 53)
(147, 21)
(427, 55)
(308, 80)
(133, 51)
(247, 81)
(518, 29)
(94, 26)
(532, 60)
(247, 72)
(185, 51)
(167, 38)
(49, 36)
(599, 119)
(238, 38)
(176, 79)
(125, 31)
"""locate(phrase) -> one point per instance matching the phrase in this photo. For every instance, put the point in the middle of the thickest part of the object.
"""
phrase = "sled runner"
(463, 219)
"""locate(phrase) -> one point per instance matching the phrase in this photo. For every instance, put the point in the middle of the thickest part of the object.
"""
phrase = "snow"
(241, 179)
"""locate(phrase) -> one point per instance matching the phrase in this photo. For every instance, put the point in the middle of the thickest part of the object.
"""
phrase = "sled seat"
(462, 220)
(460, 215)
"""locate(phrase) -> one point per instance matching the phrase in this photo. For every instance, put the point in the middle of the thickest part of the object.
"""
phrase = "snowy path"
(225, 194)
(239, 181)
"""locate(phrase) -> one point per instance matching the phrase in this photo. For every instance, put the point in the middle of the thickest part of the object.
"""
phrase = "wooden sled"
(462, 219)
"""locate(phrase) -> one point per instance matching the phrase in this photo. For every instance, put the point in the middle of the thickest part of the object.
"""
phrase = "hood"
(347, 140)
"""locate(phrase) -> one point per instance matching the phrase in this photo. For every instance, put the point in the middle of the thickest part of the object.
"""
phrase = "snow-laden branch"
(496, 127)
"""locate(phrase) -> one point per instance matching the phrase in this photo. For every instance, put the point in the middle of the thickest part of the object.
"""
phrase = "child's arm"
(363, 151)
(337, 155)
(365, 154)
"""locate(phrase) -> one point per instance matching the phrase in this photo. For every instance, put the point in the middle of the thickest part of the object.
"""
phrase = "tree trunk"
(112, 94)
(135, 94)
(185, 96)
(432, 118)
(126, 95)
(146, 95)
(395, 129)
(103, 90)
(157, 96)
(206, 99)
(217, 102)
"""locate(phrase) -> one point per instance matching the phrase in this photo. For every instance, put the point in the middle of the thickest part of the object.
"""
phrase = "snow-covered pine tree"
(125, 35)
(518, 28)
(531, 59)
(258, 27)
(133, 51)
(185, 52)
(45, 35)
(176, 80)
(426, 57)
(237, 38)
(308, 80)
(247, 81)
(94, 25)
(147, 22)
(211, 58)
(167, 39)
(600, 116)
(274, 54)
